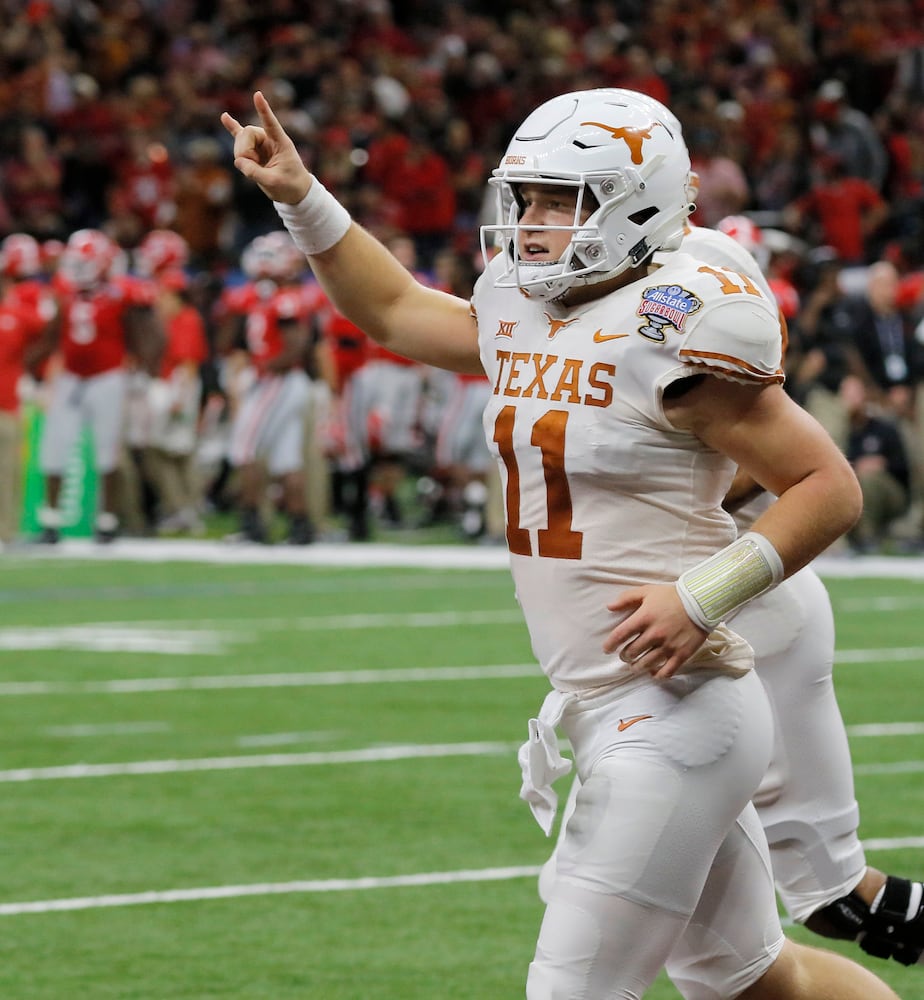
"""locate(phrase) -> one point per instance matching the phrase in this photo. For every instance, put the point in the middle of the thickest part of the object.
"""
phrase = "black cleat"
(301, 531)
(253, 528)
(107, 527)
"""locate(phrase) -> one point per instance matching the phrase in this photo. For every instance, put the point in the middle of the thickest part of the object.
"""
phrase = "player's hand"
(266, 154)
(656, 635)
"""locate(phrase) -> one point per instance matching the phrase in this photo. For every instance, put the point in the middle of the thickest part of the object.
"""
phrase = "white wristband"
(317, 222)
(721, 584)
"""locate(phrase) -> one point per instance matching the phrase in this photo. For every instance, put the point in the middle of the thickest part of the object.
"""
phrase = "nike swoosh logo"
(625, 723)
(601, 338)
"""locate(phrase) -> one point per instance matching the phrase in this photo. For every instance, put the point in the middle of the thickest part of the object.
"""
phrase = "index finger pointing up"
(267, 117)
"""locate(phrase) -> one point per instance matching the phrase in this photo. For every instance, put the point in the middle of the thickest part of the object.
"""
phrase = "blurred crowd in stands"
(805, 124)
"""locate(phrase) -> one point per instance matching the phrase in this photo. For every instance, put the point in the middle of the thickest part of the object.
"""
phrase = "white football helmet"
(609, 145)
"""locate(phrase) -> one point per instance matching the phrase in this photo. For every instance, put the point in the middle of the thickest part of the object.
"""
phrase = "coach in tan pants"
(10, 475)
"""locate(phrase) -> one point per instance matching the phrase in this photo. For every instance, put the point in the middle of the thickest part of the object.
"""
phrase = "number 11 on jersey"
(558, 540)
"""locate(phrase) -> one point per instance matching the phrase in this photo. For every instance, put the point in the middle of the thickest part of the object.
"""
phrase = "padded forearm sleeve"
(721, 584)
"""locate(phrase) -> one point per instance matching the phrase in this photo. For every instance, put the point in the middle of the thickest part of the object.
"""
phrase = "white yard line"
(215, 636)
(268, 889)
(341, 623)
(366, 755)
(401, 675)
(243, 628)
(107, 729)
(125, 637)
(193, 895)
(859, 605)
(887, 729)
(895, 767)
(892, 655)
(363, 755)
(283, 739)
(230, 682)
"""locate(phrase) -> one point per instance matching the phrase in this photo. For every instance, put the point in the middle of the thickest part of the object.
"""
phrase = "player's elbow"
(847, 498)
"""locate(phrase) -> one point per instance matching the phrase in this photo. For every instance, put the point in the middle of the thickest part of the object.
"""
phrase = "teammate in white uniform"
(623, 403)
(809, 813)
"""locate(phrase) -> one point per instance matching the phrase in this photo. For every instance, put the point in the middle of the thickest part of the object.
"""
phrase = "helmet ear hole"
(643, 215)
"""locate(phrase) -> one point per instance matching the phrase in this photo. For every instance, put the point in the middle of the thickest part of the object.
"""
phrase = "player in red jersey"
(174, 394)
(104, 321)
(267, 433)
(384, 410)
(22, 265)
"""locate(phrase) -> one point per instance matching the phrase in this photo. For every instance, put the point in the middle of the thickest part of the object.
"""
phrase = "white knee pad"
(815, 862)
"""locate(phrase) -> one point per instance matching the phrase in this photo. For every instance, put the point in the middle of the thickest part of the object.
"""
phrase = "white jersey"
(602, 492)
(715, 247)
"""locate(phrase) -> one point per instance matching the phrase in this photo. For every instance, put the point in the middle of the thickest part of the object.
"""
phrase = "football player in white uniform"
(809, 814)
(622, 404)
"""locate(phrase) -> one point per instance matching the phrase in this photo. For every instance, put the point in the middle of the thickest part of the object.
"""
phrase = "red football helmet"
(742, 230)
(88, 257)
(159, 251)
(20, 256)
(747, 234)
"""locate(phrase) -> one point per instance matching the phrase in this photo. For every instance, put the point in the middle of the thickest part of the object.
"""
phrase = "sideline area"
(159, 550)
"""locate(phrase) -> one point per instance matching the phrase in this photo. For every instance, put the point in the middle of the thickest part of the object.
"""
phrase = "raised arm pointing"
(364, 281)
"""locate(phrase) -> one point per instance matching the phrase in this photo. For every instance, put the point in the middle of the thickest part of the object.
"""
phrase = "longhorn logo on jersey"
(557, 325)
(633, 137)
(664, 306)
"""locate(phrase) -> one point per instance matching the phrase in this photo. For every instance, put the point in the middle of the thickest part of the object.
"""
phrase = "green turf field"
(291, 781)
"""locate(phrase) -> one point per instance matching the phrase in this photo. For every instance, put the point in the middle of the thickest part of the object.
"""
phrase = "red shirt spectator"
(20, 327)
(845, 210)
(146, 182)
(32, 184)
(423, 187)
(185, 329)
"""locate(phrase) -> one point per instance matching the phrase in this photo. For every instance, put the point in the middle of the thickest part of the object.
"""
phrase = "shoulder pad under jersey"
(739, 339)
